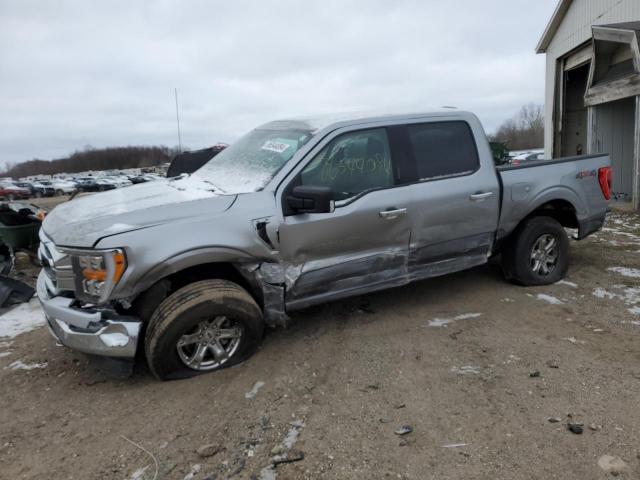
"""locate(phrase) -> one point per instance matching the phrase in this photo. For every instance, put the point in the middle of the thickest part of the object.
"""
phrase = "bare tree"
(524, 130)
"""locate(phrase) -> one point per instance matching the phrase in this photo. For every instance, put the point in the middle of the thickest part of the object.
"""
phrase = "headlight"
(97, 272)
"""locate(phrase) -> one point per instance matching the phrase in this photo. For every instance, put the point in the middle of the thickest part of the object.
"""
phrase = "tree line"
(524, 130)
(111, 158)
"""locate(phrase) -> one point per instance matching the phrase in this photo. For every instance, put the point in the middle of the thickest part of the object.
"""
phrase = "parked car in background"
(27, 185)
(526, 157)
(145, 177)
(90, 184)
(11, 191)
(135, 179)
(119, 180)
(106, 184)
(37, 189)
(61, 187)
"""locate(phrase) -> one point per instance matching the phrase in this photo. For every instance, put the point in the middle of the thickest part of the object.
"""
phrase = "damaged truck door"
(455, 204)
(362, 245)
(296, 212)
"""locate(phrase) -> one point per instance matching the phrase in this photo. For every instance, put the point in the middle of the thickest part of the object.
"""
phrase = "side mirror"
(310, 199)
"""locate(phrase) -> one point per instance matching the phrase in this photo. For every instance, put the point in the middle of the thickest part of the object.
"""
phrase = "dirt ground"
(336, 386)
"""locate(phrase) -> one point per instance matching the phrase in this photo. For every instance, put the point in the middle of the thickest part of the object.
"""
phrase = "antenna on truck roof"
(178, 121)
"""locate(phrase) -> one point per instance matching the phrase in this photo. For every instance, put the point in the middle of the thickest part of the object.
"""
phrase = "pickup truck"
(190, 270)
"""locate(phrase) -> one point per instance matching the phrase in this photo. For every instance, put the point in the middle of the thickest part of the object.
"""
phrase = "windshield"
(253, 160)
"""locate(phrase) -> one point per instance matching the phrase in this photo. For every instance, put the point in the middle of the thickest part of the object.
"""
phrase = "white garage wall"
(574, 30)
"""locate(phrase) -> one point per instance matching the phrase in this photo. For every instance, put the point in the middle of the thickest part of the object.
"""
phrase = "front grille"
(56, 266)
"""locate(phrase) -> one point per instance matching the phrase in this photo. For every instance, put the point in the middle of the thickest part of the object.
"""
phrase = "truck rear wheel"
(205, 326)
(538, 254)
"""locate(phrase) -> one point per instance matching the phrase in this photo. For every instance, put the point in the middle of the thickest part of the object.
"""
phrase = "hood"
(85, 220)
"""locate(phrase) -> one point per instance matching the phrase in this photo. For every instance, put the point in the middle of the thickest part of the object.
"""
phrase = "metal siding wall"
(549, 95)
(636, 158)
(615, 125)
(574, 30)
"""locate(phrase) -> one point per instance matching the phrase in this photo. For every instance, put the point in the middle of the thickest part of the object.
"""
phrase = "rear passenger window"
(442, 149)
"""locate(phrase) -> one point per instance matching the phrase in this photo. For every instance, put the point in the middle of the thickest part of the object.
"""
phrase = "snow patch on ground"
(293, 434)
(623, 231)
(549, 299)
(466, 370)
(626, 271)
(629, 295)
(139, 473)
(20, 365)
(268, 473)
(602, 293)
(254, 390)
(4, 354)
(510, 359)
(567, 283)
(193, 472)
(23, 318)
(443, 322)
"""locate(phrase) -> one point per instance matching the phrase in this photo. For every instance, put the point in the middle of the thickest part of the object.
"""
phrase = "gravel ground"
(474, 366)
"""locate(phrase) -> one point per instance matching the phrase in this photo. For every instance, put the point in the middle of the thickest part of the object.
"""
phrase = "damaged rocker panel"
(287, 287)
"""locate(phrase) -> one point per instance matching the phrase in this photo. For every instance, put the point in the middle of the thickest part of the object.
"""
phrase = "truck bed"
(570, 181)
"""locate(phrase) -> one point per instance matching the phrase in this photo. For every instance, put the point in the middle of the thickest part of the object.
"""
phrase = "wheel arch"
(188, 267)
(561, 209)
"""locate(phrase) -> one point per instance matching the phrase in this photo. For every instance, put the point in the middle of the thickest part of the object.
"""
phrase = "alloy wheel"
(210, 344)
(544, 254)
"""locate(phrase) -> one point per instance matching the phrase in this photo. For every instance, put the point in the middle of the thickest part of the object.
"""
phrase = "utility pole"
(178, 121)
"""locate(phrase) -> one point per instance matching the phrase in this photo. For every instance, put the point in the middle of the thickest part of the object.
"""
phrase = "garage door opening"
(574, 119)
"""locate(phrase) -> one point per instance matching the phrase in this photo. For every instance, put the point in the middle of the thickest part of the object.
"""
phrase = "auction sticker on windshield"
(277, 147)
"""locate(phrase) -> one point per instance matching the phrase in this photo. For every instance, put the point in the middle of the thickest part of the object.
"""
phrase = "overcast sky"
(95, 73)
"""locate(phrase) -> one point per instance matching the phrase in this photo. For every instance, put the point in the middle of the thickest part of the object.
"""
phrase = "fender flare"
(187, 259)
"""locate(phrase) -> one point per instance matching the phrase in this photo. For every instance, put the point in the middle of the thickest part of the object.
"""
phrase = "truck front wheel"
(205, 326)
(538, 253)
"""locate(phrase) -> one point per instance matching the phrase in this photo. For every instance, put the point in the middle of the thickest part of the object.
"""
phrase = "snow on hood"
(83, 221)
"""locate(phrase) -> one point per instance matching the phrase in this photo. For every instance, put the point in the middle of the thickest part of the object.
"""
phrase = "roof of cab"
(337, 120)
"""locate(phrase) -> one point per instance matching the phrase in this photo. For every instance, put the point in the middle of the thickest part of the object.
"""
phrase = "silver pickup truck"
(189, 270)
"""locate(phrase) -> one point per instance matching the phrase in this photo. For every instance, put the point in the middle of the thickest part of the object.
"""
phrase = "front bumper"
(88, 330)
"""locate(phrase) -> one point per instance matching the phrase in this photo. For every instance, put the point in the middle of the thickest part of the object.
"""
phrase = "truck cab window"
(352, 163)
(442, 149)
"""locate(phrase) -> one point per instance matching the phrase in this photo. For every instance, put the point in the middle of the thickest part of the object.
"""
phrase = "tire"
(11, 197)
(181, 316)
(59, 192)
(529, 253)
(38, 194)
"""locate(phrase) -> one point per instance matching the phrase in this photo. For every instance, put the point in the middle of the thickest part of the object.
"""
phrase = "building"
(592, 86)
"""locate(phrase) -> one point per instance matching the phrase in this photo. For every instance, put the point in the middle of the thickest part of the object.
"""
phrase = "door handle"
(474, 197)
(393, 213)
